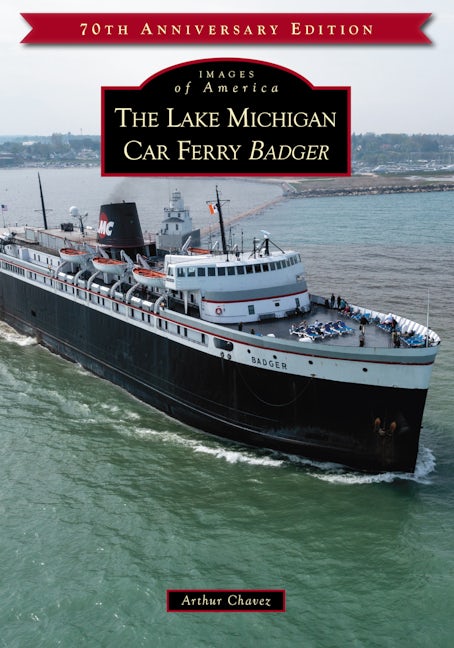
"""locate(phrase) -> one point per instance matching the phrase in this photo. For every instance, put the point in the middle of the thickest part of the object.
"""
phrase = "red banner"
(227, 28)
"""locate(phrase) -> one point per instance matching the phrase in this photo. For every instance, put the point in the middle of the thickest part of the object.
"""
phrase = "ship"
(226, 340)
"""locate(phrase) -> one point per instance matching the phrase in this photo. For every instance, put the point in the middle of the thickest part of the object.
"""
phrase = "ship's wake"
(325, 471)
(9, 334)
(336, 474)
(232, 455)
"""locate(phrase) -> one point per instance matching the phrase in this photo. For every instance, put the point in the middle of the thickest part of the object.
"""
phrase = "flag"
(213, 209)
(4, 207)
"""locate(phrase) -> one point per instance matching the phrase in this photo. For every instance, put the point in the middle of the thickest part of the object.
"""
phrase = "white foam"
(219, 452)
(237, 456)
(351, 478)
(9, 334)
(425, 465)
(325, 471)
(81, 371)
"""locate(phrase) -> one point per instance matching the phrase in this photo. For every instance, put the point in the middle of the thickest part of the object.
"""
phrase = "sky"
(394, 89)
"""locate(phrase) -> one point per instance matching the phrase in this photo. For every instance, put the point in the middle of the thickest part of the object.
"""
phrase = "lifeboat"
(148, 277)
(111, 266)
(73, 255)
(197, 250)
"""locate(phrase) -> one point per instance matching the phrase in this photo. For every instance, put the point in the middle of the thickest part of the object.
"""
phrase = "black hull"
(319, 419)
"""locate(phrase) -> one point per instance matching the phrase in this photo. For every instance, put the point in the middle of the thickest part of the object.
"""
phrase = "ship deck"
(282, 328)
(289, 327)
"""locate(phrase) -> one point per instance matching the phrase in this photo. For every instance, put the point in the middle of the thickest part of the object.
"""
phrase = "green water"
(106, 504)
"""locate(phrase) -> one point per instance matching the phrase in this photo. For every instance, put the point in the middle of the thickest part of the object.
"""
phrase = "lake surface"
(105, 503)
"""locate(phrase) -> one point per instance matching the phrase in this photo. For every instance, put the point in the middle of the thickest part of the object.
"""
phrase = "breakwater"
(363, 185)
(250, 212)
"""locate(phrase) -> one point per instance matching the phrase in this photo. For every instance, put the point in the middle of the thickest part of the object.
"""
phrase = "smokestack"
(119, 227)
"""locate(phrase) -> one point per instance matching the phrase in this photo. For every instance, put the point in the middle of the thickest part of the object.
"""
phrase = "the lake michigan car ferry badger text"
(216, 338)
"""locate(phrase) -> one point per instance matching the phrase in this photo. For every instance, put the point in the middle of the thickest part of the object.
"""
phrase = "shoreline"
(359, 185)
(319, 186)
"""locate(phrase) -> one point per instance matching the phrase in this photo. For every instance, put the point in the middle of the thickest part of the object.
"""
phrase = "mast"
(221, 222)
(42, 203)
(427, 317)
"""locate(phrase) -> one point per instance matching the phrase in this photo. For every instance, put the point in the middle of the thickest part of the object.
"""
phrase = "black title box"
(226, 117)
